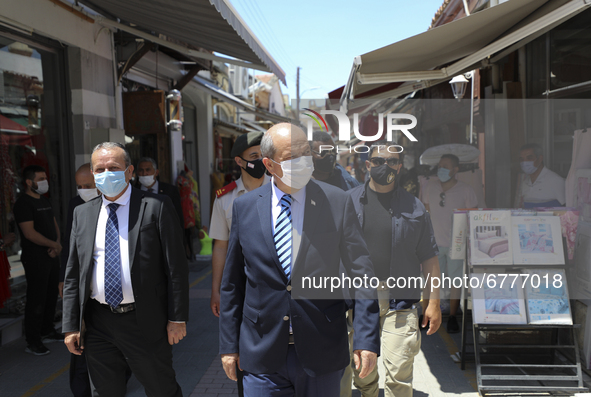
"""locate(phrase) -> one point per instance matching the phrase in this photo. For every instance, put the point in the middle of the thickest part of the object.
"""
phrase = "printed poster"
(537, 240)
(547, 298)
(498, 299)
(458, 235)
(490, 238)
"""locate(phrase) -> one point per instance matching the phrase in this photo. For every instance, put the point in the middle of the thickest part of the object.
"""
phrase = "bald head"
(284, 141)
(84, 177)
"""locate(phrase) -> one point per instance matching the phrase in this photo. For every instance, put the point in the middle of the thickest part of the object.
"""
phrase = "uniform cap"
(246, 141)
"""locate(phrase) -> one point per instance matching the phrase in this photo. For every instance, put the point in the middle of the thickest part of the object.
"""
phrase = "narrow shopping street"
(198, 366)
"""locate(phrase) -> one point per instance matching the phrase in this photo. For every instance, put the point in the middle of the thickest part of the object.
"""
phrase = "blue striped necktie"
(282, 235)
(113, 288)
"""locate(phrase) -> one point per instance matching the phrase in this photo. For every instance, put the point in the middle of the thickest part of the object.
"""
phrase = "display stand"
(533, 360)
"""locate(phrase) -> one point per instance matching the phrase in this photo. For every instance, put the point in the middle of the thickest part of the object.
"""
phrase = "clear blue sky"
(323, 36)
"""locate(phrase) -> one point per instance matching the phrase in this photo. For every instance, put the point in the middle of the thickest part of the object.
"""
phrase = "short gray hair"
(148, 160)
(268, 148)
(112, 145)
(536, 148)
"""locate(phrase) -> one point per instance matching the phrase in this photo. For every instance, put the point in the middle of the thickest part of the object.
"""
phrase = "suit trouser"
(79, 380)
(291, 380)
(113, 341)
(42, 277)
(400, 343)
(80, 384)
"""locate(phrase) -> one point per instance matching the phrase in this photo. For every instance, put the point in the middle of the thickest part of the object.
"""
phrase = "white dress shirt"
(547, 187)
(154, 187)
(97, 286)
(298, 204)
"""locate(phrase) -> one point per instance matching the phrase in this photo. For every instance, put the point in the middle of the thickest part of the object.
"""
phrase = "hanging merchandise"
(5, 291)
(218, 152)
(582, 196)
(581, 160)
(184, 186)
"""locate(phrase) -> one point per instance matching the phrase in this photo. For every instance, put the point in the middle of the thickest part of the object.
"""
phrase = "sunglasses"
(377, 161)
(442, 197)
(323, 153)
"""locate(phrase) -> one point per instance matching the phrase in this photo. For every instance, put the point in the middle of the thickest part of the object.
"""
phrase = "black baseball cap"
(246, 141)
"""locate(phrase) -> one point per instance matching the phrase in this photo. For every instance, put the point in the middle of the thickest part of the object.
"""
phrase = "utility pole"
(298, 94)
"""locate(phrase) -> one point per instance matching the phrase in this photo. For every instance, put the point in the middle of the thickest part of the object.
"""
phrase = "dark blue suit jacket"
(256, 296)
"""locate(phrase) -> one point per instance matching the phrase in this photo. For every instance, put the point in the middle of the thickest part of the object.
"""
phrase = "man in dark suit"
(147, 172)
(79, 381)
(282, 339)
(127, 278)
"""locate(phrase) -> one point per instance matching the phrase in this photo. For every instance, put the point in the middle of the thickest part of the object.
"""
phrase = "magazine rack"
(524, 358)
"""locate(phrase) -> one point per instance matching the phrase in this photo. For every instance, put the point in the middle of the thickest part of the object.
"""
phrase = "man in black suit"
(79, 381)
(147, 172)
(127, 278)
(282, 339)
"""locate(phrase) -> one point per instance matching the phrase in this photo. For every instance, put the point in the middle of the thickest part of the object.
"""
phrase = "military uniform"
(221, 218)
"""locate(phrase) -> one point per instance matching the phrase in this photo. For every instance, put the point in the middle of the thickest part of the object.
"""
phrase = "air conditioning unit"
(239, 78)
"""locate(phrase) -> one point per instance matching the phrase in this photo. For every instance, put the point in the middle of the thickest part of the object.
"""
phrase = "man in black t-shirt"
(40, 243)
(400, 241)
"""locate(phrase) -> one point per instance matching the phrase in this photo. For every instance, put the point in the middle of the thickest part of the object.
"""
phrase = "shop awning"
(210, 24)
(9, 126)
(219, 93)
(230, 129)
(254, 126)
(446, 51)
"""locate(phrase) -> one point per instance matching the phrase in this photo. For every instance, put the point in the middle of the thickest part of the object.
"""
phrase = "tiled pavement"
(198, 366)
(435, 373)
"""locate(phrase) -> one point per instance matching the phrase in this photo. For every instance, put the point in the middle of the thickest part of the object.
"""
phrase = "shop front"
(33, 129)
(524, 79)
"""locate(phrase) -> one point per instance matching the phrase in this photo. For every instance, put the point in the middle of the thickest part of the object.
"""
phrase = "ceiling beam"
(133, 59)
(187, 77)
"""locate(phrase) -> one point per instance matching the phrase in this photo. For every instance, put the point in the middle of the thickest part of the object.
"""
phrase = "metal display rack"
(521, 367)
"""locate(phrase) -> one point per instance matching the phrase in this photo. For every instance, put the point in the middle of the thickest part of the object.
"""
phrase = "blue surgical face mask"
(109, 183)
(528, 167)
(443, 174)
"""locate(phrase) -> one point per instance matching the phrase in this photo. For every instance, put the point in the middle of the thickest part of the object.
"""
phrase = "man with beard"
(40, 243)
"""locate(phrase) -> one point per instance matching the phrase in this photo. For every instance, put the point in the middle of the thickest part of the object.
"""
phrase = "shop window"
(570, 52)
(536, 67)
(31, 128)
(220, 113)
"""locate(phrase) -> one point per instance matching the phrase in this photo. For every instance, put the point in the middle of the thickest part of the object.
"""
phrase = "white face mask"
(147, 180)
(42, 187)
(528, 167)
(296, 172)
(87, 194)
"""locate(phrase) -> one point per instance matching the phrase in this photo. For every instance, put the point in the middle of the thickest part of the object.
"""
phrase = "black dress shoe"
(37, 349)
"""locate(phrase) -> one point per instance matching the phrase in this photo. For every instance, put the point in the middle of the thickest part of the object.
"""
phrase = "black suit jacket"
(74, 202)
(172, 192)
(256, 296)
(159, 269)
